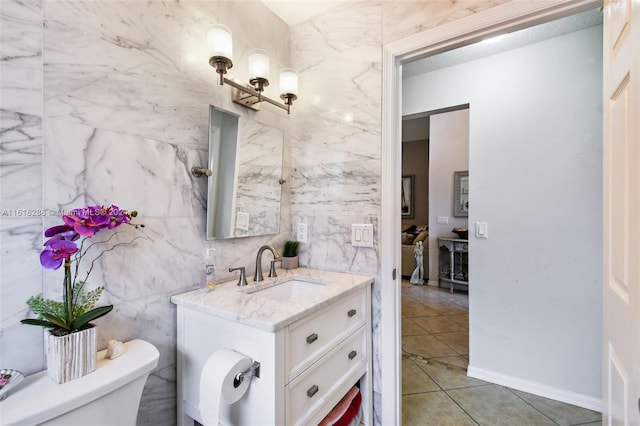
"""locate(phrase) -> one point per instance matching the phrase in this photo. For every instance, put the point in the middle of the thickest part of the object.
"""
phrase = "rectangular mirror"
(244, 190)
(461, 194)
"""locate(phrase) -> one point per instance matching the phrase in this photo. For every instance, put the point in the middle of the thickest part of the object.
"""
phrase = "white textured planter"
(72, 356)
(290, 262)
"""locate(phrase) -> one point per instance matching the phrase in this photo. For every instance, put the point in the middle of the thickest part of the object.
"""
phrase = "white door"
(621, 239)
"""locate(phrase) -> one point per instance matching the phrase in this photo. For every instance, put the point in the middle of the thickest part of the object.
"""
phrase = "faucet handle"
(242, 279)
(272, 269)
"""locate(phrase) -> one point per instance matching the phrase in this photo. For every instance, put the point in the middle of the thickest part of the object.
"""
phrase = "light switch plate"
(442, 220)
(482, 230)
(362, 235)
(301, 235)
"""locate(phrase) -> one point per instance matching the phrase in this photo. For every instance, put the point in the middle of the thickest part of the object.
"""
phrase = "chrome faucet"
(272, 271)
(242, 279)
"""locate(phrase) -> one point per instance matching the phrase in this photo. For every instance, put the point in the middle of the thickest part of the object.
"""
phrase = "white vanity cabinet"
(309, 359)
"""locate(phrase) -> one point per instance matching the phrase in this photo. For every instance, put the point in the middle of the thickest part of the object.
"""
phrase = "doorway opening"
(480, 116)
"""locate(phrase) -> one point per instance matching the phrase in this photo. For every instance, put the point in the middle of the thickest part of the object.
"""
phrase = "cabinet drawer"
(310, 338)
(309, 395)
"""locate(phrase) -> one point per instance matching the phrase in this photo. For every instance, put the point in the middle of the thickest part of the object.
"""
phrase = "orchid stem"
(68, 292)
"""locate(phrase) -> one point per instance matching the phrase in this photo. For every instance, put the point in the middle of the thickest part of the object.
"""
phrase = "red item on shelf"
(345, 411)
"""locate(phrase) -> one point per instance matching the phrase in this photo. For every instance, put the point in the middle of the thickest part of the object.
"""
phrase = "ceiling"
(294, 12)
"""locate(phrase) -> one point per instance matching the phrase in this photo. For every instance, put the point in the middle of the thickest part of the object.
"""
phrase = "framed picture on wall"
(408, 194)
(461, 194)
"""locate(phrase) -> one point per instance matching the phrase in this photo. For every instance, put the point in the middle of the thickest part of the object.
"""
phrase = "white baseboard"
(545, 391)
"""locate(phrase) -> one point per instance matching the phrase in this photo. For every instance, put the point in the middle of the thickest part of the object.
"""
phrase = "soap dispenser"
(209, 270)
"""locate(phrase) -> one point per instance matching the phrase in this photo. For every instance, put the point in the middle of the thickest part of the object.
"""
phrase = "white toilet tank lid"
(38, 398)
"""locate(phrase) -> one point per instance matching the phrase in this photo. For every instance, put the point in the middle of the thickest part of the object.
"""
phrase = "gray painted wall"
(536, 176)
(449, 150)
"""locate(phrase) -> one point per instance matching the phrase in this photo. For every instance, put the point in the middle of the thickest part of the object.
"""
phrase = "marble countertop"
(243, 305)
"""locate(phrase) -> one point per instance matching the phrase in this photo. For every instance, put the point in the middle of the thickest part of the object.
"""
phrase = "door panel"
(621, 230)
(619, 189)
(619, 22)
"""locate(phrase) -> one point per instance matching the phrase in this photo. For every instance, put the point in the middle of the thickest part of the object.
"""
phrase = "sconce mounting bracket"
(245, 99)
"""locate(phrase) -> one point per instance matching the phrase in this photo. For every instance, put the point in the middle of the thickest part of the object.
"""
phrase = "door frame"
(507, 17)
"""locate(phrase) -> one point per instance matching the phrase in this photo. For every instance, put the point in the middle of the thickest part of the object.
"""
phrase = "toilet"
(108, 396)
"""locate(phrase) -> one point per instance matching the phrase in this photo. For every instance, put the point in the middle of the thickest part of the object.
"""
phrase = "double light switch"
(362, 235)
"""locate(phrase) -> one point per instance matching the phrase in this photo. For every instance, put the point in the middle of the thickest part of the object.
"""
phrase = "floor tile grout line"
(463, 410)
(531, 405)
(420, 393)
(427, 374)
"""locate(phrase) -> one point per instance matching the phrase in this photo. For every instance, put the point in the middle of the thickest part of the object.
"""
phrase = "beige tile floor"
(435, 387)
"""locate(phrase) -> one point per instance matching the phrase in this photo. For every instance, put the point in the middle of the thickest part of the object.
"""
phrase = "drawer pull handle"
(312, 338)
(312, 391)
(353, 354)
(351, 313)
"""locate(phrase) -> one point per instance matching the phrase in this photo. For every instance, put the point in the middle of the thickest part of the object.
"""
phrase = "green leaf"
(57, 321)
(38, 322)
(91, 315)
(39, 305)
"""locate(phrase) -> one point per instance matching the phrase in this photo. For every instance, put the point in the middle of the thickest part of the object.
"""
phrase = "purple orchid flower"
(65, 232)
(79, 226)
(85, 222)
(58, 229)
(90, 220)
(118, 216)
(56, 251)
(98, 216)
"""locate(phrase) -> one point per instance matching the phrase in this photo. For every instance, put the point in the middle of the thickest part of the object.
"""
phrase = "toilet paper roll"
(217, 389)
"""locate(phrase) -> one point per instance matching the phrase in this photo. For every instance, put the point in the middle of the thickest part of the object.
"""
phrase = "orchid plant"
(77, 308)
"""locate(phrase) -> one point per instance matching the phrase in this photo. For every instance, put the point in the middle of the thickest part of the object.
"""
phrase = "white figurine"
(114, 349)
(418, 275)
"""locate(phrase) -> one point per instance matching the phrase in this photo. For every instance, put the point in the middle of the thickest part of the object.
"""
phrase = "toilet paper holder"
(253, 371)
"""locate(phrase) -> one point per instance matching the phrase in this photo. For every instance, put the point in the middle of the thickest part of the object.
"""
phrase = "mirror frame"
(227, 187)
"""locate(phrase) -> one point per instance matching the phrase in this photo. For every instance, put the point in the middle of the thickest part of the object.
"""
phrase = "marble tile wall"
(107, 102)
(336, 139)
(20, 180)
(336, 144)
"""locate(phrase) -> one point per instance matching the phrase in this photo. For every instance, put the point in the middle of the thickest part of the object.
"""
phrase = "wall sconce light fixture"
(220, 46)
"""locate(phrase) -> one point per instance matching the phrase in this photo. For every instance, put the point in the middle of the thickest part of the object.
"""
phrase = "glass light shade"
(219, 41)
(258, 64)
(288, 81)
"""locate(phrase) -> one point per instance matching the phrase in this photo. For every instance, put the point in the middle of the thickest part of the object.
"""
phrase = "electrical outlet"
(242, 221)
(302, 233)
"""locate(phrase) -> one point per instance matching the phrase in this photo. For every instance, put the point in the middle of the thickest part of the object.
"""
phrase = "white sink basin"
(288, 290)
